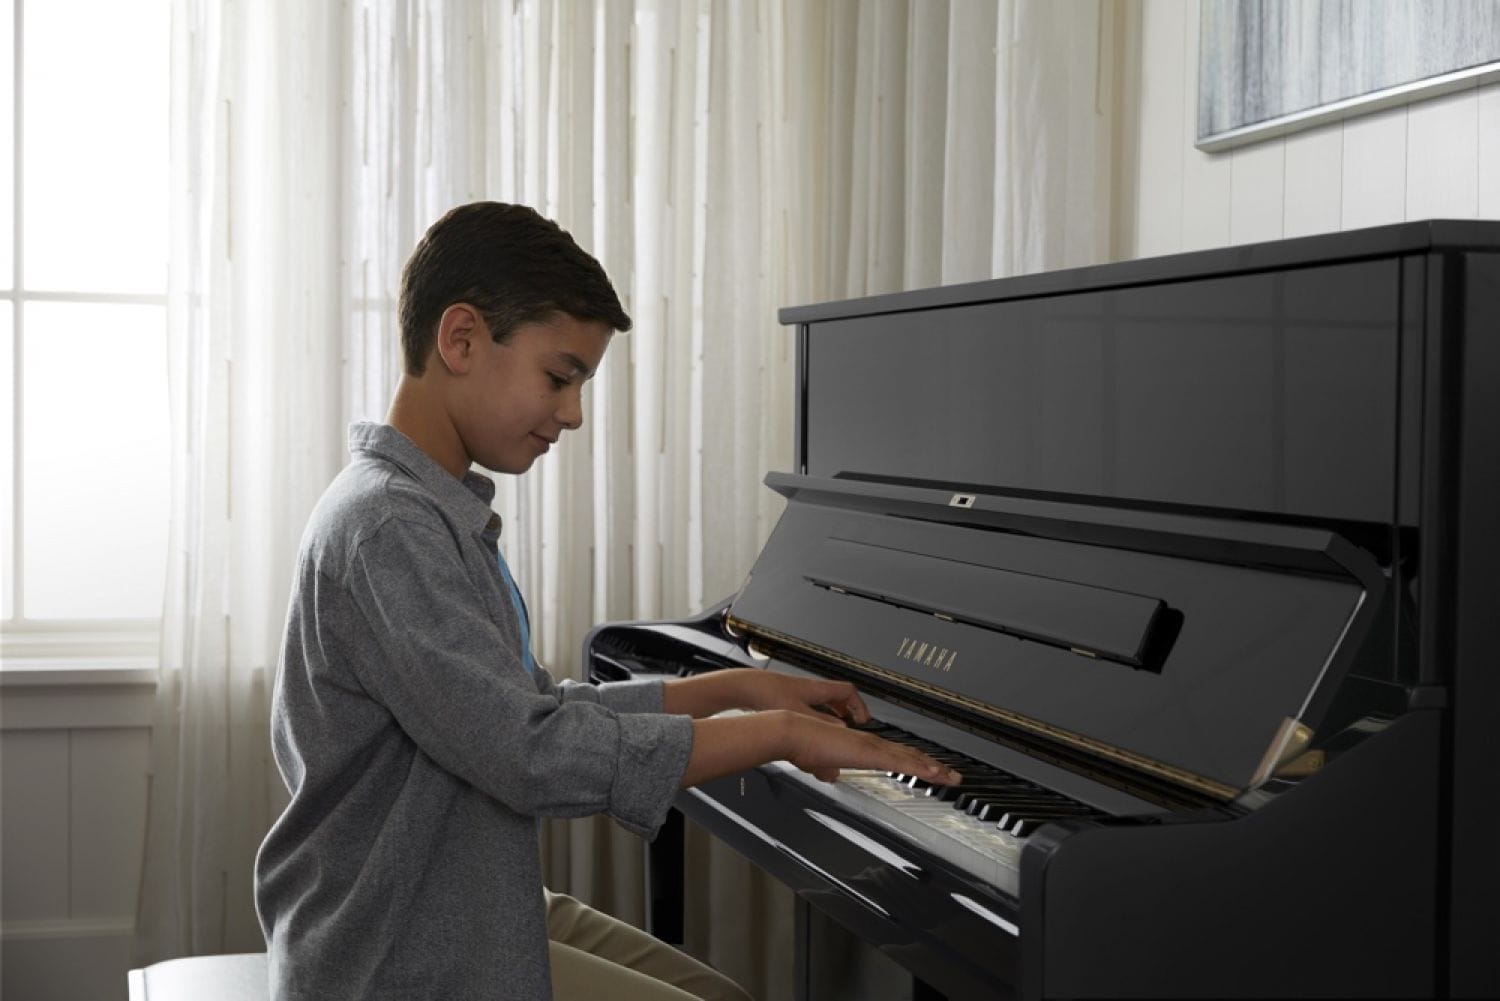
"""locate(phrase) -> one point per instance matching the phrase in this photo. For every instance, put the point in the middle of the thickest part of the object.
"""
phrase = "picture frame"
(1267, 68)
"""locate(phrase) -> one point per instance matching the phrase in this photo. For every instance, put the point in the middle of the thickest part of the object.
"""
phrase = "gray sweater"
(420, 751)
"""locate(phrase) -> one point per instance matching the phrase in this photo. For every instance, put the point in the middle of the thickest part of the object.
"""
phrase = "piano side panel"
(1329, 890)
(1475, 868)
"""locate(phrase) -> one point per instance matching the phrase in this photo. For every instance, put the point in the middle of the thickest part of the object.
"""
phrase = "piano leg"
(923, 991)
(832, 964)
(664, 875)
(802, 921)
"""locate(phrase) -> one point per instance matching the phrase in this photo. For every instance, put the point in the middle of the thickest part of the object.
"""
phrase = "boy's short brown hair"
(509, 263)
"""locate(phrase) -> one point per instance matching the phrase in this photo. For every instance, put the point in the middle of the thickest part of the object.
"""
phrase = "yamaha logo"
(926, 654)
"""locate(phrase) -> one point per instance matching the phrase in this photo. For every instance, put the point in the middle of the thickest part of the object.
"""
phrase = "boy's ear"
(460, 329)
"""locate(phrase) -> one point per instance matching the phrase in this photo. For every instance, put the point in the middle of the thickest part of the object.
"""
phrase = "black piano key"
(977, 798)
(994, 809)
(996, 789)
(950, 793)
(988, 793)
(1024, 822)
(971, 787)
(969, 798)
(1026, 825)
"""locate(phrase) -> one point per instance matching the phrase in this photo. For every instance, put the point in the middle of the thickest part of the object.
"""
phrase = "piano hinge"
(1291, 739)
(1177, 776)
(1301, 766)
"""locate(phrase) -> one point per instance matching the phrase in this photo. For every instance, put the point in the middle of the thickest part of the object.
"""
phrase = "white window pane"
(95, 466)
(95, 145)
(7, 143)
(7, 463)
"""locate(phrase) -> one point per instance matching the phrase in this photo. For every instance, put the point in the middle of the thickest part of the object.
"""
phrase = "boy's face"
(519, 396)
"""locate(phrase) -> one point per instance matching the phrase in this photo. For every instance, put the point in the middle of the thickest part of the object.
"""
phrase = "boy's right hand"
(823, 747)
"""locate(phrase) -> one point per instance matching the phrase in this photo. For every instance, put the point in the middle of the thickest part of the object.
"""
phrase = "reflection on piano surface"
(1186, 565)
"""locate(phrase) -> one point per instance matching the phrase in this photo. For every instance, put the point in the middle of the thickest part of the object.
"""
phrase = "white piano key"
(972, 846)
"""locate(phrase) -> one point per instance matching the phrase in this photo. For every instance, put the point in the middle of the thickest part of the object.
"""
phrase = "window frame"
(84, 651)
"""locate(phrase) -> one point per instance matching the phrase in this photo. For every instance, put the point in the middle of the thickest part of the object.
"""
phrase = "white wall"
(74, 755)
(1439, 158)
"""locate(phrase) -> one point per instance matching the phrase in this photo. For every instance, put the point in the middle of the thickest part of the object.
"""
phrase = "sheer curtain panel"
(254, 334)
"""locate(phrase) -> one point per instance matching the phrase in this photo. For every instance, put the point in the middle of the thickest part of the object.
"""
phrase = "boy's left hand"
(816, 698)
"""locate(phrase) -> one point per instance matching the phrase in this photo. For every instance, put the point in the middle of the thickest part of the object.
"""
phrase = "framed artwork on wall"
(1270, 67)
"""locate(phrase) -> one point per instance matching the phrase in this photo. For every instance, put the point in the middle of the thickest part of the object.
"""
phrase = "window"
(83, 273)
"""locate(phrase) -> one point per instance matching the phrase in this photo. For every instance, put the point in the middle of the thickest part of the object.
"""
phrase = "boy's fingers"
(855, 709)
(913, 762)
(843, 699)
(936, 771)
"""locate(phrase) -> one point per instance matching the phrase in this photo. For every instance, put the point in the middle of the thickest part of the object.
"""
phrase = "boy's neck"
(416, 414)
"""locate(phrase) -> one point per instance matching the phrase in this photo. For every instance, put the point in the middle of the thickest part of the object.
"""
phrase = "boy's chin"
(511, 465)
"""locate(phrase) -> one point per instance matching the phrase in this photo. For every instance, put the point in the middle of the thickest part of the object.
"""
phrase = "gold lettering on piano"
(927, 654)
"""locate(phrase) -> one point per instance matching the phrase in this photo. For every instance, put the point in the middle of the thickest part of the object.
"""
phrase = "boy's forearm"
(708, 693)
(734, 743)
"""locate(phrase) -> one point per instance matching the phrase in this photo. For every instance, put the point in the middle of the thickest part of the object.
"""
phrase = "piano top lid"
(1325, 248)
(1175, 646)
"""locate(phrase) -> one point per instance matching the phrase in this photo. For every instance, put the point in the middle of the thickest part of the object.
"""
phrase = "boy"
(419, 739)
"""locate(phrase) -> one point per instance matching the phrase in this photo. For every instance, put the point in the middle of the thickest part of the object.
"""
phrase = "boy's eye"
(558, 381)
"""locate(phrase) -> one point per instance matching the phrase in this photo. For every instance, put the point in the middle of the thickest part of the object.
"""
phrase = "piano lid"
(1177, 646)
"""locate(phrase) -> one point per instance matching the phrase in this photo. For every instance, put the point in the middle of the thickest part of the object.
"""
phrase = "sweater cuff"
(653, 753)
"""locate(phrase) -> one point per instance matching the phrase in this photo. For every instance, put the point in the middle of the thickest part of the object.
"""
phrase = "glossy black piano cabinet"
(1201, 550)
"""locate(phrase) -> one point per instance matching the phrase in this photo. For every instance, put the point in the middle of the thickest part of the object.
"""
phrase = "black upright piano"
(1189, 564)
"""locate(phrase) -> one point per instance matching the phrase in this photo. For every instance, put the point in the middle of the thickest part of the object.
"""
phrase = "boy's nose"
(570, 414)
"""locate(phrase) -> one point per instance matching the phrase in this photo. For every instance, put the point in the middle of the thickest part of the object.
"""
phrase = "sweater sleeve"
(437, 659)
(639, 696)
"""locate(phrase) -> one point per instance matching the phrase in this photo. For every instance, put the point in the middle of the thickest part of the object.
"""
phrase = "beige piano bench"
(203, 978)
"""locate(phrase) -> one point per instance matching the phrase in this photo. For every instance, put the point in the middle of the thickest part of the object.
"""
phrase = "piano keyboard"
(979, 826)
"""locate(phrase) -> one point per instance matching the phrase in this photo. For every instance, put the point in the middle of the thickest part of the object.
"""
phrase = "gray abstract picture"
(1268, 67)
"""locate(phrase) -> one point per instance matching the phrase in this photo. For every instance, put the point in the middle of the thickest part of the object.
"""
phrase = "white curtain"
(254, 324)
(722, 158)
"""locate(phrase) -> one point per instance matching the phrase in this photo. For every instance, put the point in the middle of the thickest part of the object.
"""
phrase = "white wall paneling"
(73, 785)
(1206, 177)
(1374, 188)
(1488, 123)
(1163, 132)
(107, 790)
(33, 825)
(1257, 191)
(1313, 182)
(1442, 157)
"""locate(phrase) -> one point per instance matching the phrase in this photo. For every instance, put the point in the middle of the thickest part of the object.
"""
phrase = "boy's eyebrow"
(577, 363)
